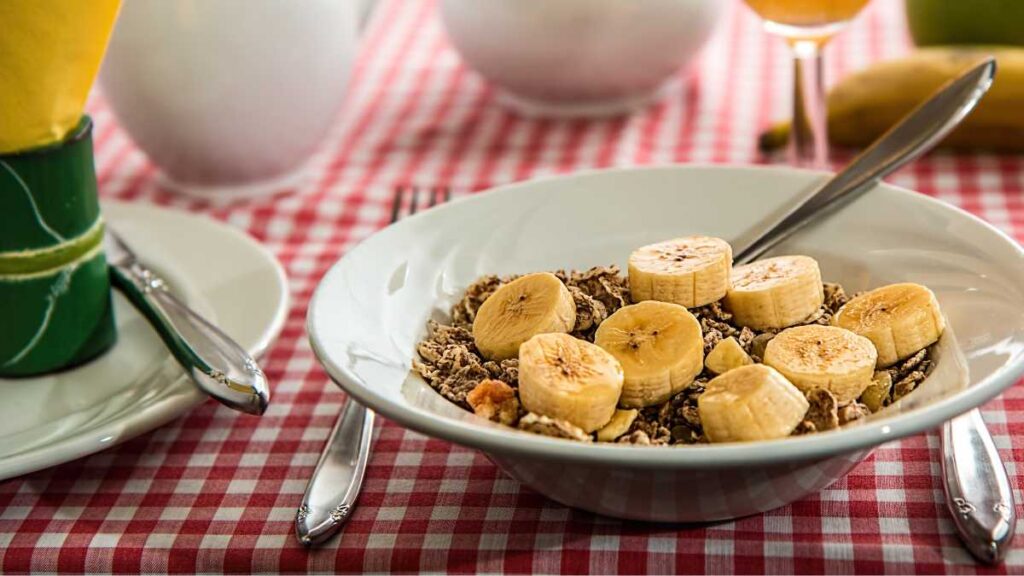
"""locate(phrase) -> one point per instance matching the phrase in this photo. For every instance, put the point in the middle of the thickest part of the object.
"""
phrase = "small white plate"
(137, 386)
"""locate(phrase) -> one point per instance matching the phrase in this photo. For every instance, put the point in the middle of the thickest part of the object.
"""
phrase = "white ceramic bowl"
(371, 308)
(579, 57)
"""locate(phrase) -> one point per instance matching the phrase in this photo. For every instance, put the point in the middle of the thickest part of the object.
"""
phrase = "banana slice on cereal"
(690, 271)
(776, 292)
(569, 379)
(749, 403)
(899, 319)
(823, 357)
(726, 355)
(617, 426)
(660, 347)
(529, 305)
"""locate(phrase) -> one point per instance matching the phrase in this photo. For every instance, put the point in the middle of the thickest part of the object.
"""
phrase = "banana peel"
(867, 103)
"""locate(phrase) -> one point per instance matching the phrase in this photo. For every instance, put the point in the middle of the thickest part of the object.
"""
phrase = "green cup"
(55, 303)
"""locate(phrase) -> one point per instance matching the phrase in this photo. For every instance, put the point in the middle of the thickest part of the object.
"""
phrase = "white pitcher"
(230, 97)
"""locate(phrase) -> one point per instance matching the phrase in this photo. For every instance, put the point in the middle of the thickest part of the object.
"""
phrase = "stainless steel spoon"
(334, 487)
(977, 489)
(215, 362)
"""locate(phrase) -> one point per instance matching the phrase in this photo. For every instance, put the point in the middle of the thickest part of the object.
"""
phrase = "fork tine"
(396, 203)
(434, 196)
(414, 201)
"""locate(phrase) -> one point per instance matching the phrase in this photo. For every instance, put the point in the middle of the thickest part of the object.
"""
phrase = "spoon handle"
(914, 135)
(978, 491)
(338, 478)
(215, 362)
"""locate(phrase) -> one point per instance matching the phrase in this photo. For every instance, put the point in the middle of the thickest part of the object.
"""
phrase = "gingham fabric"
(217, 492)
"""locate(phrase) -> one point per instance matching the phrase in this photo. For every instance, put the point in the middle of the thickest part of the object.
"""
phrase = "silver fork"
(333, 489)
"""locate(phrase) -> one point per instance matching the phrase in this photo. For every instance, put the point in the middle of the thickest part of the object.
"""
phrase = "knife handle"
(215, 362)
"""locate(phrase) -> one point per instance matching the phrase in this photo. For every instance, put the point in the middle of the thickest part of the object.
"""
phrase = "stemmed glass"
(807, 25)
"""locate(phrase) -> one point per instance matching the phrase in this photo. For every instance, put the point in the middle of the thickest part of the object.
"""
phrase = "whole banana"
(862, 106)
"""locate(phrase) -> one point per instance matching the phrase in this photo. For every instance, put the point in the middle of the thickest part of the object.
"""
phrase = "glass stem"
(808, 143)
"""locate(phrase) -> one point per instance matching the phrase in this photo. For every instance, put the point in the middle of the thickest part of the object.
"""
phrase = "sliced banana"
(660, 347)
(690, 271)
(899, 319)
(565, 378)
(726, 355)
(617, 426)
(529, 305)
(554, 427)
(776, 292)
(823, 357)
(750, 403)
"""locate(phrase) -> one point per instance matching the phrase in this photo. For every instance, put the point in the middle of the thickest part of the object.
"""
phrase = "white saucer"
(137, 386)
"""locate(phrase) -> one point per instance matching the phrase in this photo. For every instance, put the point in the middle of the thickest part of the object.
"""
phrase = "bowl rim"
(492, 439)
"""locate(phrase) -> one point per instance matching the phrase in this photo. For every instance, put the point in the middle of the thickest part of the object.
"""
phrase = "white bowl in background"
(371, 308)
(579, 57)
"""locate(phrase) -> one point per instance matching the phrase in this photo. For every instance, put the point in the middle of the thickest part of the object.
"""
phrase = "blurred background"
(420, 112)
(418, 95)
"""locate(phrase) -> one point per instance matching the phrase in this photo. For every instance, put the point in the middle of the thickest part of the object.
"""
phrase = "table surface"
(217, 492)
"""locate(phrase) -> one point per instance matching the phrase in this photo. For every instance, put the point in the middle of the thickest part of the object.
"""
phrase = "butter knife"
(215, 362)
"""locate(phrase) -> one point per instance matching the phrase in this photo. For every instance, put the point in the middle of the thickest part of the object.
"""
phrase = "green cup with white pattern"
(55, 302)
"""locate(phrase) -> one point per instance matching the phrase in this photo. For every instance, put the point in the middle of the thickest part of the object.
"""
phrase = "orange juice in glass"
(807, 25)
(800, 17)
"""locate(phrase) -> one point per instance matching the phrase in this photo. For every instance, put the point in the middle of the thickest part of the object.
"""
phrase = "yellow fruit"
(660, 347)
(775, 292)
(865, 104)
(899, 319)
(617, 426)
(691, 271)
(565, 378)
(823, 357)
(750, 403)
(530, 305)
(726, 355)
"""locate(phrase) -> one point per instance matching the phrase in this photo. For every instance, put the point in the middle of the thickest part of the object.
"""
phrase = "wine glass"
(807, 25)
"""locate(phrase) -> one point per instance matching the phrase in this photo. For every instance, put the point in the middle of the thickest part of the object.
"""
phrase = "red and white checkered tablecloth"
(217, 492)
